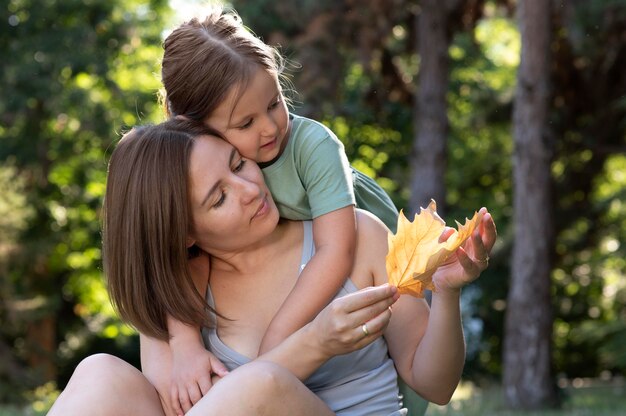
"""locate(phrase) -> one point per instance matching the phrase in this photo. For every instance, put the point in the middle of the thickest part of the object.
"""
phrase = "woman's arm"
(428, 347)
(336, 330)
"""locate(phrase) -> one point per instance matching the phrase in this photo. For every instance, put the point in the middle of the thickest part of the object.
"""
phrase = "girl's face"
(231, 206)
(255, 122)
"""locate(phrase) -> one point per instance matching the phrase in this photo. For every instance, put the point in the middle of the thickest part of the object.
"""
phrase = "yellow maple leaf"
(415, 252)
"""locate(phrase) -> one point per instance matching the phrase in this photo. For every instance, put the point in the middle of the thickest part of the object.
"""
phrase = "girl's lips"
(269, 145)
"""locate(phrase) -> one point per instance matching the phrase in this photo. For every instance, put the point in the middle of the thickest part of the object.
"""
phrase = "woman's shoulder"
(370, 227)
(371, 249)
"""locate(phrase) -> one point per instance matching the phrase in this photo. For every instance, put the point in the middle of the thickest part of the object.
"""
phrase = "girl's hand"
(192, 370)
(469, 260)
(353, 321)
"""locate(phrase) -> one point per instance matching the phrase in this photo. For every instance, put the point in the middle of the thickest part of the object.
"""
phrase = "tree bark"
(528, 382)
(428, 158)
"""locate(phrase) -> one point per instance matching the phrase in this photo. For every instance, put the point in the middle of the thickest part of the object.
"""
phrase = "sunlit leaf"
(415, 251)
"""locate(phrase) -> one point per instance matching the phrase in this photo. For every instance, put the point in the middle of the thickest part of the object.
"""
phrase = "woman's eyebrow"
(218, 183)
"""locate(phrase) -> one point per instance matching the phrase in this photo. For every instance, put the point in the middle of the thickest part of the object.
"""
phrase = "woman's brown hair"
(203, 60)
(145, 228)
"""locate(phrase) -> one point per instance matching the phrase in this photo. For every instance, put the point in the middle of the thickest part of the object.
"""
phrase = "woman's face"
(231, 207)
(256, 121)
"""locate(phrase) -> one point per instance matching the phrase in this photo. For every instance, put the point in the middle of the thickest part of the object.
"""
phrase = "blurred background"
(427, 98)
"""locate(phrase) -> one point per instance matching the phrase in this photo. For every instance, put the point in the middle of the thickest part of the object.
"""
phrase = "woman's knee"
(109, 385)
(254, 388)
(266, 376)
(104, 367)
(99, 364)
(260, 388)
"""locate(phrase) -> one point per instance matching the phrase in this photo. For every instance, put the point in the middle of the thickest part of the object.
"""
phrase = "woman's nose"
(249, 190)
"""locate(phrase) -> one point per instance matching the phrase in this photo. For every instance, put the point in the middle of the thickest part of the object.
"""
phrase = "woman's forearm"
(298, 353)
(440, 356)
(336, 330)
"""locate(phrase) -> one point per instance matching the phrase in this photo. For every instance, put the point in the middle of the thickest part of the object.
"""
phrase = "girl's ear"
(190, 242)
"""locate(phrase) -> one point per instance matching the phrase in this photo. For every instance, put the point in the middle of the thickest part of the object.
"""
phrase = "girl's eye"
(275, 103)
(240, 165)
(246, 125)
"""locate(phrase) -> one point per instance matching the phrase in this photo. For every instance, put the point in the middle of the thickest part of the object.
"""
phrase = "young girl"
(218, 74)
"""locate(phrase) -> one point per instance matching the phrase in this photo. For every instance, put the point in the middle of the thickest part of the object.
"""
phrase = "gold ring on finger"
(485, 260)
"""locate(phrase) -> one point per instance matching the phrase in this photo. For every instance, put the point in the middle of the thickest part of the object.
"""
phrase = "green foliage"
(79, 73)
(374, 121)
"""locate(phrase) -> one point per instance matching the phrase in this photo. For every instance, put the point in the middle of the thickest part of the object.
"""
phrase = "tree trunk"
(428, 158)
(41, 347)
(528, 382)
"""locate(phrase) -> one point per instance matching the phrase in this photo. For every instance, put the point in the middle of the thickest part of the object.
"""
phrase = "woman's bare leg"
(106, 385)
(260, 388)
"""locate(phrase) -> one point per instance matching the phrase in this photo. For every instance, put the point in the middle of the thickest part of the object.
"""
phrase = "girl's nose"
(270, 127)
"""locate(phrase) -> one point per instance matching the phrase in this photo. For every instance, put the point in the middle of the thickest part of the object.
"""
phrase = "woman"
(228, 213)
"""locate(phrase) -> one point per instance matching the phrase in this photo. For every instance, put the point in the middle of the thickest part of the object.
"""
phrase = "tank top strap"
(308, 247)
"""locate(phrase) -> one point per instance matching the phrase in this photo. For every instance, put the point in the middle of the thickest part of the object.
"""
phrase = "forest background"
(428, 98)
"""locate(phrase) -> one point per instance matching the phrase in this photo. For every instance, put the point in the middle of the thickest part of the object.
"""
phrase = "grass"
(581, 398)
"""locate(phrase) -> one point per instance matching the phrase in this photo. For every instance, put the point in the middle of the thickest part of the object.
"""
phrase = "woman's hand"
(469, 260)
(353, 321)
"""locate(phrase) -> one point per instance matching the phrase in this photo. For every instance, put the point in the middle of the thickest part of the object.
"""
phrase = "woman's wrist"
(447, 294)
(302, 353)
(315, 344)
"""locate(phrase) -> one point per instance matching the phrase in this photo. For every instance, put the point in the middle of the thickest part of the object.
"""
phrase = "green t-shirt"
(312, 176)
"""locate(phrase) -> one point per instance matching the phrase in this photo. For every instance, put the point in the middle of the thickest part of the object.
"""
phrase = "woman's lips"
(262, 209)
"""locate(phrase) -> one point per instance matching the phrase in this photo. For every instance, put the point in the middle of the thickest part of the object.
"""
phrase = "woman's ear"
(192, 249)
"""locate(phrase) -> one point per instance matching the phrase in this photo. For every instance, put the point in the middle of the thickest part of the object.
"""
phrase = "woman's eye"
(220, 201)
(240, 165)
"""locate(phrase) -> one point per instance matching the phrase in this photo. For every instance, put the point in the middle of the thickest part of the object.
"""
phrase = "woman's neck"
(248, 259)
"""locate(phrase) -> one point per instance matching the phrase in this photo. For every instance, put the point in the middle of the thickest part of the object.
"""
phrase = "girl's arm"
(428, 346)
(192, 365)
(336, 330)
(156, 365)
(335, 238)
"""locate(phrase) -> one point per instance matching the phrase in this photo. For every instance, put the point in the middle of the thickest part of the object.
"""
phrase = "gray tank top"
(360, 383)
